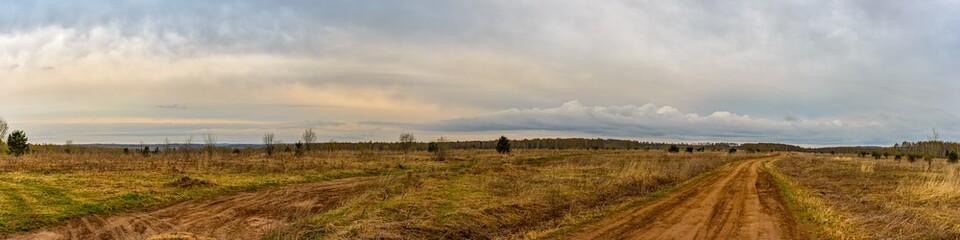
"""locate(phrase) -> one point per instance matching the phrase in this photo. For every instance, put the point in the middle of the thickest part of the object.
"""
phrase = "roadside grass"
(508, 198)
(859, 198)
(816, 218)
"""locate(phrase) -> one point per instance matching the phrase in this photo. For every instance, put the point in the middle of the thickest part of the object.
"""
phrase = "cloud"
(665, 122)
(172, 106)
(826, 63)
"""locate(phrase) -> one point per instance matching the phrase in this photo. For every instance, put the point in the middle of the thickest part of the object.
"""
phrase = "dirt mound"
(241, 216)
(741, 203)
(188, 182)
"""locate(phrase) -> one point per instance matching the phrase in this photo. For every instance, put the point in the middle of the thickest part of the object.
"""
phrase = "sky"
(854, 72)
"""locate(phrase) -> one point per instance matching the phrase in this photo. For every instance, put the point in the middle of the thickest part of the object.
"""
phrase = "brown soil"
(738, 203)
(241, 216)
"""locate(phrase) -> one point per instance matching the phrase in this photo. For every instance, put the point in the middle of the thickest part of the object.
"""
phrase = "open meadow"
(851, 197)
(473, 194)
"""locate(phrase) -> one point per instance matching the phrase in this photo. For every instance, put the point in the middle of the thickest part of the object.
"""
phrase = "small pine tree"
(503, 145)
(17, 143)
(145, 152)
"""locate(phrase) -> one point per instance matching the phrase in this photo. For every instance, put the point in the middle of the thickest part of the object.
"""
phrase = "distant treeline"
(536, 143)
(924, 148)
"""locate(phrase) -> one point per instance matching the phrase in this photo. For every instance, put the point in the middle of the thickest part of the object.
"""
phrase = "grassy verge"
(815, 217)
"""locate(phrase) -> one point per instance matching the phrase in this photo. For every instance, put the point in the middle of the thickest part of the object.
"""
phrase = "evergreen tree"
(17, 143)
(503, 145)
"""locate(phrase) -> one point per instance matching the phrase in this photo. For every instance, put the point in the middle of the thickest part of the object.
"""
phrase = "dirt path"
(241, 216)
(739, 203)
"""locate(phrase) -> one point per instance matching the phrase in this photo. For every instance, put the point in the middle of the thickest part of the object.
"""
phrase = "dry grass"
(507, 198)
(860, 198)
(476, 194)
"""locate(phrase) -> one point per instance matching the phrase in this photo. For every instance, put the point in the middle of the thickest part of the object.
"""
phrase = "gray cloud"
(887, 62)
(172, 106)
(665, 122)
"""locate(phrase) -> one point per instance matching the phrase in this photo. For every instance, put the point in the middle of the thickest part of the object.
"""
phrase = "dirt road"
(241, 216)
(738, 203)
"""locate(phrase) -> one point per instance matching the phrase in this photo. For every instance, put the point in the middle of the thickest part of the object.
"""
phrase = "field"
(477, 194)
(846, 197)
(342, 194)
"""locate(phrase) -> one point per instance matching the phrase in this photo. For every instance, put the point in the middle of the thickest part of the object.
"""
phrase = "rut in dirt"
(240, 216)
(739, 203)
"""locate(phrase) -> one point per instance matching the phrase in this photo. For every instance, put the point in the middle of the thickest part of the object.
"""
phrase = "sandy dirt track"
(741, 202)
(240, 216)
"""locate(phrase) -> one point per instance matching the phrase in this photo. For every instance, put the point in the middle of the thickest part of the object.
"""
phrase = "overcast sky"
(804, 72)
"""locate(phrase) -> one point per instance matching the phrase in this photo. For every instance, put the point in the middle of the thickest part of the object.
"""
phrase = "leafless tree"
(3, 134)
(439, 149)
(209, 143)
(166, 145)
(407, 142)
(309, 137)
(269, 143)
(3, 129)
(187, 144)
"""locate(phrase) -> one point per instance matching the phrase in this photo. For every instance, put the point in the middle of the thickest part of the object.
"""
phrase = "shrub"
(407, 142)
(897, 157)
(689, 149)
(953, 157)
(17, 143)
(439, 149)
(503, 145)
(732, 150)
(298, 149)
(912, 157)
(673, 149)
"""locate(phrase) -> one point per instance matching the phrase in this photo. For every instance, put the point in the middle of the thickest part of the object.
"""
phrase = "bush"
(953, 157)
(732, 150)
(438, 148)
(298, 149)
(689, 149)
(673, 149)
(503, 145)
(17, 143)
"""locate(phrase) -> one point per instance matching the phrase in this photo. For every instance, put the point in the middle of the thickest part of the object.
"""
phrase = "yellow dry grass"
(860, 198)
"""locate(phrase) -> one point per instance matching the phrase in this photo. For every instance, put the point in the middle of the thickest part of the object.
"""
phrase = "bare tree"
(269, 143)
(309, 137)
(3, 134)
(166, 145)
(438, 148)
(209, 143)
(407, 142)
(187, 144)
(3, 129)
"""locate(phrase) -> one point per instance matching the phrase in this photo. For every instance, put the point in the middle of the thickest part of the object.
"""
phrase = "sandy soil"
(241, 216)
(738, 203)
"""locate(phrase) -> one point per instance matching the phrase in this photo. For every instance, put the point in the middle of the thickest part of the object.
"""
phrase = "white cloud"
(666, 122)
